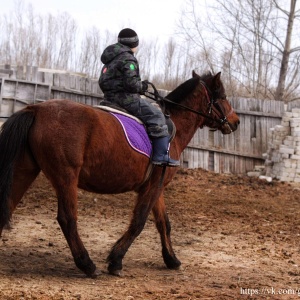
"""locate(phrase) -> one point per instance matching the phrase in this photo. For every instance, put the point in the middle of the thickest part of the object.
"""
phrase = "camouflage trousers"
(150, 115)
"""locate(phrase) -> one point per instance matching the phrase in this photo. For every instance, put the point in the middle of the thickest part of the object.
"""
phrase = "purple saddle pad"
(136, 134)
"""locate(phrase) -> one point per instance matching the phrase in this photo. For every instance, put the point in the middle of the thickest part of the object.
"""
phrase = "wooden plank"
(25, 92)
(20, 73)
(1, 84)
(55, 80)
(78, 83)
(95, 87)
(34, 71)
(8, 88)
(42, 92)
(87, 88)
(48, 78)
(231, 152)
(6, 108)
(72, 80)
(66, 81)
(40, 77)
(62, 81)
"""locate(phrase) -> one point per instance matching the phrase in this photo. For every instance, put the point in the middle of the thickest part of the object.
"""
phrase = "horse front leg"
(144, 204)
(164, 228)
(67, 219)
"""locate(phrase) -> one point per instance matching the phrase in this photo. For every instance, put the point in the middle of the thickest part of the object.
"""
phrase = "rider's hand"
(144, 85)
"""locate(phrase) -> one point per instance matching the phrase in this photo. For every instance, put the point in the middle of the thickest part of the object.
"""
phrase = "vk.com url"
(270, 291)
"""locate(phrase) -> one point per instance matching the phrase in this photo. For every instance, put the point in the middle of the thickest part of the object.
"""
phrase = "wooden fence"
(243, 149)
(20, 86)
(236, 153)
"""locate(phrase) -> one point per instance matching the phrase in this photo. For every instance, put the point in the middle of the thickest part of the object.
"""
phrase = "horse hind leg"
(22, 181)
(66, 191)
(25, 172)
(164, 228)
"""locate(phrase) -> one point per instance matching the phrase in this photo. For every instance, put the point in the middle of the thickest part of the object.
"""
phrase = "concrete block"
(267, 178)
(293, 156)
(253, 174)
(294, 122)
(285, 149)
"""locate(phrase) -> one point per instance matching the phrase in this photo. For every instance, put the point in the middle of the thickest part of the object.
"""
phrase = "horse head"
(219, 113)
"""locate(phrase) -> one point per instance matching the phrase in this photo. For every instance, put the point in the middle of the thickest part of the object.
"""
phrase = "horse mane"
(186, 88)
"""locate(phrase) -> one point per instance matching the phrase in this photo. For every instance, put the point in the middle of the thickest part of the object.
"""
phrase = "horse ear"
(218, 76)
(194, 74)
(216, 79)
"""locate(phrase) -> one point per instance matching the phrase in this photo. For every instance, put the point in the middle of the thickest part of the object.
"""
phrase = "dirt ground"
(237, 238)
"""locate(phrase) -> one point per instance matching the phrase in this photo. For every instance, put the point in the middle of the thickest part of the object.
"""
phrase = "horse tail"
(13, 141)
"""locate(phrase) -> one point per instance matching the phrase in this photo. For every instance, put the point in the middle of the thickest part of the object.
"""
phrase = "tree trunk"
(286, 53)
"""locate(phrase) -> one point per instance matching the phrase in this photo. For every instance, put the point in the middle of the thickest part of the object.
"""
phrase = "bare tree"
(169, 59)
(148, 57)
(291, 15)
(191, 28)
(55, 41)
(31, 39)
(89, 58)
(245, 39)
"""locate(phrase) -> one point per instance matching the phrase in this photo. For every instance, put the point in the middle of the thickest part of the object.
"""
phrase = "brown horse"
(78, 146)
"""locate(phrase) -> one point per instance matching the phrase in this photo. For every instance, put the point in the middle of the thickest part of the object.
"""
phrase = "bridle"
(212, 104)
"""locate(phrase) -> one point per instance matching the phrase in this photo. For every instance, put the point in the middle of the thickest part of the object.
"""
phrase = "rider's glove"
(144, 85)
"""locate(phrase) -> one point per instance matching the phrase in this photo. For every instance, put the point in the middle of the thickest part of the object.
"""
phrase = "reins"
(162, 100)
(158, 98)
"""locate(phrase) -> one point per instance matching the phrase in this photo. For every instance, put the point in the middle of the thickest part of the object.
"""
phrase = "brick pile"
(283, 156)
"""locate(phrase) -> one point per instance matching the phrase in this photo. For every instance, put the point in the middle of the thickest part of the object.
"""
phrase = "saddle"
(134, 129)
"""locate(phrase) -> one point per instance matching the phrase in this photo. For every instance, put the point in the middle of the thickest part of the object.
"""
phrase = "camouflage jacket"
(120, 78)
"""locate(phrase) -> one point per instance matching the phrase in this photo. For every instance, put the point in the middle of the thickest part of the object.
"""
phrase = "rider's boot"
(160, 154)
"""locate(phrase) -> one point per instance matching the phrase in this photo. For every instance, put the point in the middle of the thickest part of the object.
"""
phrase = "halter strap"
(212, 104)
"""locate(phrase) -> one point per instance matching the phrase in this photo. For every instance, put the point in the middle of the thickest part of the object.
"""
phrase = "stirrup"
(169, 162)
(164, 164)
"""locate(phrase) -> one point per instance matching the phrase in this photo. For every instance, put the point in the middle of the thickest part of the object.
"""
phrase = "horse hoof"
(118, 273)
(95, 274)
(173, 265)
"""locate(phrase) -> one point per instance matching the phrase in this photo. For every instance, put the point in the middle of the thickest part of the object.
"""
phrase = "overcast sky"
(150, 19)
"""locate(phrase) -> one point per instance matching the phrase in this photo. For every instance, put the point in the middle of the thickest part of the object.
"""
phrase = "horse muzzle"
(229, 127)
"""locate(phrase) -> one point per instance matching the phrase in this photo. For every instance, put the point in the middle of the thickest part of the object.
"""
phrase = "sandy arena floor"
(237, 238)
